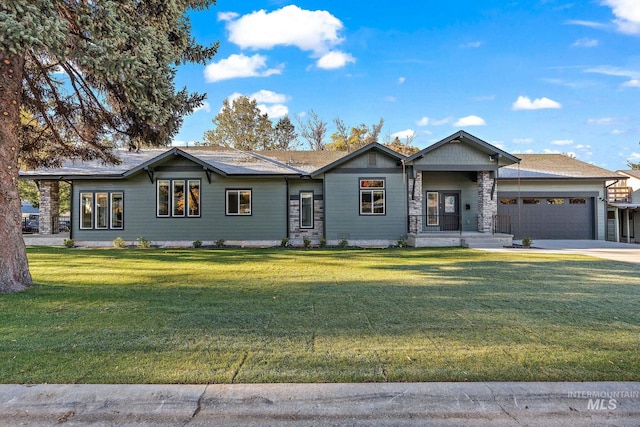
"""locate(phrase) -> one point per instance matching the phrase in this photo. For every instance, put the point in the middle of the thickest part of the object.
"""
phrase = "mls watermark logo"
(603, 400)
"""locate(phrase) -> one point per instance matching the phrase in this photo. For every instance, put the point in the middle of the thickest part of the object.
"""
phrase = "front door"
(450, 208)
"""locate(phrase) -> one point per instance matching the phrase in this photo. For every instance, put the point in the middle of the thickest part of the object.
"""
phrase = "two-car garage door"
(549, 217)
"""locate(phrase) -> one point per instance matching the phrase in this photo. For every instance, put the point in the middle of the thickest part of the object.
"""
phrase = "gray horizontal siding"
(342, 208)
(267, 222)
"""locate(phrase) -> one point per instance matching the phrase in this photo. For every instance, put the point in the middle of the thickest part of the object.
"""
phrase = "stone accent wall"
(487, 207)
(49, 206)
(296, 234)
(415, 203)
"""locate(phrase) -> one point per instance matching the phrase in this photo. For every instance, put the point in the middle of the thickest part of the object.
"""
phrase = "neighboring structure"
(459, 191)
(624, 204)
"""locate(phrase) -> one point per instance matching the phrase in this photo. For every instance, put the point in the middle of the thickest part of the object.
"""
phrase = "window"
(238, 202)
(102, 210)
(508, 201)
(574, 201)
(372, 195)
(117, 211)
(432, 208)
(306, 209)
(86, 211)
(531, 201)
(178, 198)
(555, 201)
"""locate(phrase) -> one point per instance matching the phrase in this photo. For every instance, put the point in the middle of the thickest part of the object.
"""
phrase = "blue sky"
(536, 76)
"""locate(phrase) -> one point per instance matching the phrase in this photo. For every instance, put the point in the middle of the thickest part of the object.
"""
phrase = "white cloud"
(470, 121)
(404, 134)
(523, 141)
(634, 157)
(585, 42)
(583, 147)
(227, 16)
(632, 83)
(334, 59)
(238, 65)
(562, 142)
(471, 45)
(269, 97)
(316, 31)
(274, 111)
(206, 107)
(627, 14)
(618, 132)
(607, 70)
(401, 80)
(590, 24)
(525, 103)
(390, 98)
(423, 121)
(601, 121)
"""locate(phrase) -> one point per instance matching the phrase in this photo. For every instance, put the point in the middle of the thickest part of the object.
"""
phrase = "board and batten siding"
(561, 188)
(455, 181)
(342, 208)
(456, 154)
(267, 221)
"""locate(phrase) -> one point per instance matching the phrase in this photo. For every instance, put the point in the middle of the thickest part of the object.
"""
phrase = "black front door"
(450, 211)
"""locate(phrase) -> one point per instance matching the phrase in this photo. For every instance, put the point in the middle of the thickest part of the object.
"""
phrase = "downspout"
(287, 202)
(71, 210)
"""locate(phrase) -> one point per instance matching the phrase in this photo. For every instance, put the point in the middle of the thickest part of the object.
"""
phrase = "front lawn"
(320, 315)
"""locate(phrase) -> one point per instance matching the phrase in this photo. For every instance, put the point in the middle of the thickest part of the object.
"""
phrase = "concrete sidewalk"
(380, 404)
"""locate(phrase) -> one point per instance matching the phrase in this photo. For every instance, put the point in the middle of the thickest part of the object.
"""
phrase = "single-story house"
(459, 191)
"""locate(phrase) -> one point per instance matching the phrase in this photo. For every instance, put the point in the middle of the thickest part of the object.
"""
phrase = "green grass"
(321, 315)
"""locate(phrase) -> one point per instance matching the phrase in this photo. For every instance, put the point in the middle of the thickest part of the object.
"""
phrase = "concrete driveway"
(625, 252)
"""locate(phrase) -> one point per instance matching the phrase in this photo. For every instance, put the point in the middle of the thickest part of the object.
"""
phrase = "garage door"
(549, 217)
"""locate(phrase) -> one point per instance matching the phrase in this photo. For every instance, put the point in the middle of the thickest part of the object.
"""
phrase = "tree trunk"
(14, 266)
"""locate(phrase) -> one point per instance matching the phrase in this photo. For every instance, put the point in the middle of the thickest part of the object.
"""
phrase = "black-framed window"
(178, 198)
(238, 202)
(306, 209)
(372, 196)
(101, 210)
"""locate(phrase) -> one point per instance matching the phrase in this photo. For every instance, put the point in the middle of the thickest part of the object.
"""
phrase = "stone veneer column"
(487, 207)
(49, 206)
(415, 204)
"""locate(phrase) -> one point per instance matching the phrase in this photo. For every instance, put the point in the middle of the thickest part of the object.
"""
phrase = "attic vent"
(372, 159)
(455, 141)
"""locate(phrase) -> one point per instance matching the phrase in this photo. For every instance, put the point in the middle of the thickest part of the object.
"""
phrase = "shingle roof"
(226, 161)
(558, 166)
(307, 161)
(633, 173)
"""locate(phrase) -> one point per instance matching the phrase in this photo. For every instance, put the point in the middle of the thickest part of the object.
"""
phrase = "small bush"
(69, 243)
(306, 241)
(343, 243)
(323, 242)
(143, 243)
(527, 242)
(197, 244)
(219, 243)
(402, 243)
(284, 242)
(119, 243)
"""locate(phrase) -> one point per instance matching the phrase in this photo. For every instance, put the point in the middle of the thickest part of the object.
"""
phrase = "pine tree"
(86, 74)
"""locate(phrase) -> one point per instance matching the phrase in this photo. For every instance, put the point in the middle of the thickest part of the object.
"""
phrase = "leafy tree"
(355, 138)
(314, 130)
(240, 124)
(404, 148)
(284, 135)
(86, 73)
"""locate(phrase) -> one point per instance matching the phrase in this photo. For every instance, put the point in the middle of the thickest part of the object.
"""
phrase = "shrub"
(143, 243)
(69, 243)
(197, 244)
(343, 243)
(284, 242)
(323, 242)
(306, 241)
(119, 243)
(219, 243)
(402, 243)
(527, 242)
